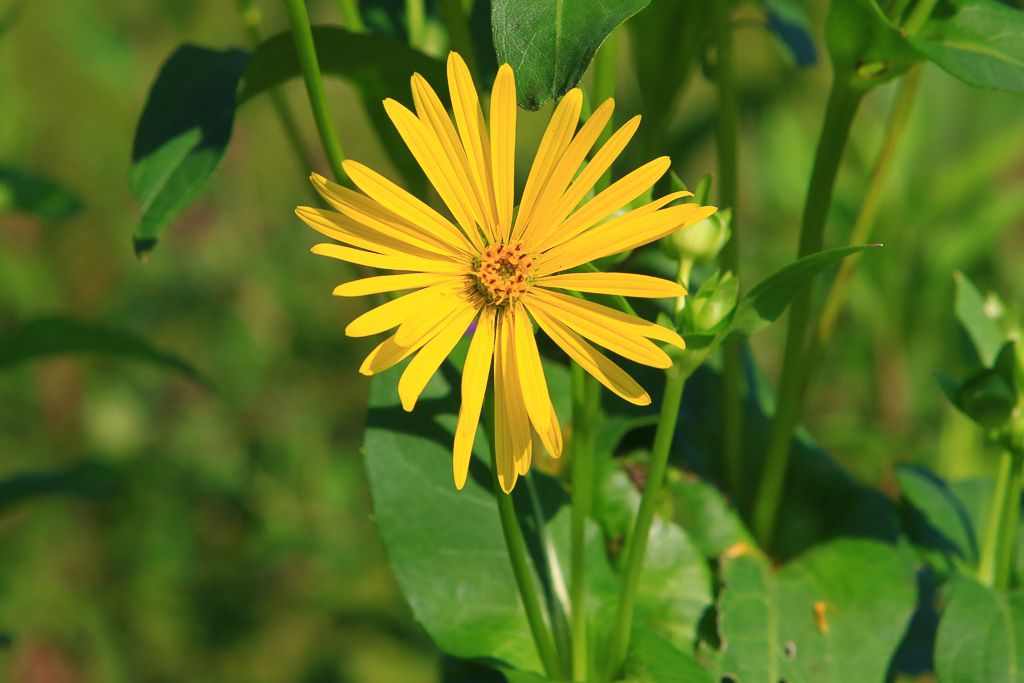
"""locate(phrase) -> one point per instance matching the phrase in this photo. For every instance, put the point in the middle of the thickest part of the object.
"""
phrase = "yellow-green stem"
(605, 64)
(458, 34)
(415, 21)
(585, 398)
(839, 113)
(1009, 522)
(636, 545)
(306, 50)
(349, 10)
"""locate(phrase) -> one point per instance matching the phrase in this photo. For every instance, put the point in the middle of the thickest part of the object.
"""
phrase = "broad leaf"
(550, 43)
(981, 635)
(982, 329)
(768, 299)
(37, 195)
(50, 336)
(836, 613)
(652, 659)
(705, 515)
(936, 521)
(788, 22)
(982, 44)
(866, 48)
(182, 134)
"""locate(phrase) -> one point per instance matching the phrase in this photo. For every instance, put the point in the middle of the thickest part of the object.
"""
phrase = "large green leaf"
(836, 613)
(37, 195)
(549, 43)
(49, 336)
(937, 522)
(652, 659)
(981, 43)
(982, 329)
(867, 49)
(182, 134)
(981, 635)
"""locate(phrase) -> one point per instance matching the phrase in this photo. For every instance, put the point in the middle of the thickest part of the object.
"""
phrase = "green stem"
(1009, 521)
(458, 35)
(990, 546)
(415, 20)
(869, 209)
(636, 545)
(918, 16)
(842, 105)
(585, 398)
(349, 10)
(728, 175)
(306, 50)
(605, 64)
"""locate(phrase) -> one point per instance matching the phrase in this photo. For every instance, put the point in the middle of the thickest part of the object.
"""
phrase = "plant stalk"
(605, 64)
(349, 10)
(1009, 521)
(303, 35)
(458, 34)
(585, 398)
(839, 113)
(636, 545)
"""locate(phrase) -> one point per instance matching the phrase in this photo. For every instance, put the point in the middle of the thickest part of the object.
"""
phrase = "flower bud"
(700, 242)
(714, 301)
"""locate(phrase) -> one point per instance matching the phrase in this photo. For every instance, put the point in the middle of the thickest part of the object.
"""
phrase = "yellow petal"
(566, 168)
(391, 351)
(470, 120)
(425, 146)
(404, 204)
(390, 314)
(624, 284)
(534, 385)
(602, 330)
(474, 384)
(439, 305)
(615, 197)
(556, 138)
(391, 283)
(586, 180)
(590, 359)
(387, 261)
(510, 412)
(429, 359)
(611, 318)
(503, 146)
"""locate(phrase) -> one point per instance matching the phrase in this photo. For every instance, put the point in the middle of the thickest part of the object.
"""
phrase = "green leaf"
(981, 635)
(550, 44)
(982, 44)
(652, 659)
(788, 23)
(182, 134)
(37, 195)
(85, 479)
(866, 48)
(706, 516)
(367, 60)
(836, 613)
(937, 523)
(973, 314)
(768, 299)
(50, 336)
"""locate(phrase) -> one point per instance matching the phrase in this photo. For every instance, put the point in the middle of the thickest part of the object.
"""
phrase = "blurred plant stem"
(349, 10)
(585, 402)
(727, 134)
(605, 64)
(456, 22)
(303, 35)
(251, 21)
(997, 552)
(842, 105)
(415, 21)
(636, 544)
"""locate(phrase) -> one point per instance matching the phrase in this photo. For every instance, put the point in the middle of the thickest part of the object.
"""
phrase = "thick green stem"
(636, 545)
(728, 180)
(306, 50)
(1009, 521)
(585, 398)
(842, 105)
(349, 10)
(990, 545)
(458, 34)
(605, 65)
(918, 16)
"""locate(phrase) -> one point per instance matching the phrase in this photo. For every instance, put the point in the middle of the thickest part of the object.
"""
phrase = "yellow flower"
(500, 267)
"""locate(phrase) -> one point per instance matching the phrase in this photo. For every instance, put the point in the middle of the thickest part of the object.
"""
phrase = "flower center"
(504, 273)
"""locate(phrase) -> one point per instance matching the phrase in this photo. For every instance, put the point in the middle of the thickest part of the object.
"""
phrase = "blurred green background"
(225, 533)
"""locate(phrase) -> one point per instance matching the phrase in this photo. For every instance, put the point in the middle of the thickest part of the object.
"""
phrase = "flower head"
(504, 269)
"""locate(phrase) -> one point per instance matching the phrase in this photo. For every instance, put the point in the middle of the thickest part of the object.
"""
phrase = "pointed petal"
(474, 384)
(391, 283)
(611, 318)
(441, 304)
(470, 120)
(503, 146)
(534, 385)
(391, 314)
(429, 359)
(624, 284)
(590, 359)
(504, 449)
(342, 228)
(556, 138)
(387, 261)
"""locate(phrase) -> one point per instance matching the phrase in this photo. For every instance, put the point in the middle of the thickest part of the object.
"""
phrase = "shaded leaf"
(652, 659)
(50, 336)
(182, 134)
(85, 479)
(982, 44)
(706, 516)
(788, 23)
(37, 195)
(550, 44)
(939, 526)
(981, 635)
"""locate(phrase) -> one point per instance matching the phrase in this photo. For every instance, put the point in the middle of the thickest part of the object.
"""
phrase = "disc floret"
(503, 273)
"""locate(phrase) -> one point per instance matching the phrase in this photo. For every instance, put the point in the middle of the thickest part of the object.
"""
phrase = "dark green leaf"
(652, 659)
(37, 195)
(182, 134)
(550, 44)
(981, 328)
(788, 22)
(363, 58)
(981, 635)
(86, 479)
(800, 623)
(937, 522)
(49, 336)
(982, 44)
(866, 48)
(768, 299)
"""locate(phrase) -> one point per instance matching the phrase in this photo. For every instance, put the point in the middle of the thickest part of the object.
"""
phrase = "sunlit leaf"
(652, 659)
(37, 195)
(550, 44)
(974, 316)
(981, 635)
(182, 134)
